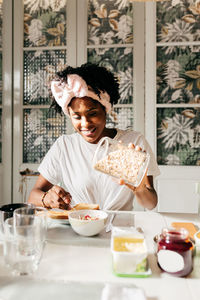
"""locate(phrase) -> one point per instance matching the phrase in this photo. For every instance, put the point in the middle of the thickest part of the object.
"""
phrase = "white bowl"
(88, 227)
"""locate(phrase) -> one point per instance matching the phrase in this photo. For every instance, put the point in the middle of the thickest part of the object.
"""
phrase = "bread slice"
(59, 214)
(80, 206)
(63, 214)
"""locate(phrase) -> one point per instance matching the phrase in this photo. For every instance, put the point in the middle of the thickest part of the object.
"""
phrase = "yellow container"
(129, 252)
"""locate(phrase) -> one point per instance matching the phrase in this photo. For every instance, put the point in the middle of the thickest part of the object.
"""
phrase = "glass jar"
(174, 252)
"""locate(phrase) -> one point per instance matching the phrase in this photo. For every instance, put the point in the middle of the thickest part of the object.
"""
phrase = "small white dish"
(58, 221)
(88, 227)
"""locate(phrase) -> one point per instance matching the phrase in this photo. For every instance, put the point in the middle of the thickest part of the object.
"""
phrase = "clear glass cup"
(6, 211)
(23, 244)
(8, 243)
(22, 215)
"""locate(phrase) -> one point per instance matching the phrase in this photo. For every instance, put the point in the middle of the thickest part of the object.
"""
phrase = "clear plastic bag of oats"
(123, 161)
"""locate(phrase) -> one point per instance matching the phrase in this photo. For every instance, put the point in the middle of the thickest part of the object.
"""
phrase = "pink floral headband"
(76, 87)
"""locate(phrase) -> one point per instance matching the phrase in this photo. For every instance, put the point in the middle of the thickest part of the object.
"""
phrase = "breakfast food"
(80, 206)
(88, 218)
(63, 214)
(190, 227)
(122, 163)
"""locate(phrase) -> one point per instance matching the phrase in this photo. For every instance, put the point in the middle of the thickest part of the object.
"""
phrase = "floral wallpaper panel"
(44, 23)
(39, 69)
(178, 136)
(121, 117)
(120, 62)
(0, 135)
(1, 83)
(178, 21)
(178, 74)
(41, 128)
(1, 21)
(110, 22)
(178, 82)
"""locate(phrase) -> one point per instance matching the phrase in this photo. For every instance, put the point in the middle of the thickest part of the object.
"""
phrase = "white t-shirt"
(69, 163)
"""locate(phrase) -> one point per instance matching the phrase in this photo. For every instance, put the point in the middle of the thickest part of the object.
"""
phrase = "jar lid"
(175, 233)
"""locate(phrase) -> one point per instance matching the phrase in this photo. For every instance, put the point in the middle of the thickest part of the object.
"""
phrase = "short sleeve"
(153, 169)
(50, 165)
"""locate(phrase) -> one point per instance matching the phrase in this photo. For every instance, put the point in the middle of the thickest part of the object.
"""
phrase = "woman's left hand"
(144, 184)
(145, 192)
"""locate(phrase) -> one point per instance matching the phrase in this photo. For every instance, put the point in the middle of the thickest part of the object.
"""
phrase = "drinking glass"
(22, 215)
(6, 211)
(8, 242)
(24, 243)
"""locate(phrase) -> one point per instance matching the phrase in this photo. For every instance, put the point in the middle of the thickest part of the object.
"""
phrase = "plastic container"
(175, 252)
(129, 253)
(121, 161)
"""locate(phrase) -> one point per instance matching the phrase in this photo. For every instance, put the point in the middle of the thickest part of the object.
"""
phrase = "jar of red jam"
(174, 252)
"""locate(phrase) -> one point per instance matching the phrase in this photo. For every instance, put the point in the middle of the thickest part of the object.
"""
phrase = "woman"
(86, 94)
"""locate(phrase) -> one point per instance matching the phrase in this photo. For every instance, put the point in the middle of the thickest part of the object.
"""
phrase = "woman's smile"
(88, 132)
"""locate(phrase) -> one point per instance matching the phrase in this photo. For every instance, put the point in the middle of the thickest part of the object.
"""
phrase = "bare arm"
(145, 192)
(53, 196)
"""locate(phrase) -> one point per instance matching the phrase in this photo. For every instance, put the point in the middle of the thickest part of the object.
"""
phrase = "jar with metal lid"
(174, 252)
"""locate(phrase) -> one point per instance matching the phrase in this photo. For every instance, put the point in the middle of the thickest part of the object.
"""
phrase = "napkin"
(116, 292)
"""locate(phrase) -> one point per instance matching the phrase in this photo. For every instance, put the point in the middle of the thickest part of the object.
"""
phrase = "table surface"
(76, 267)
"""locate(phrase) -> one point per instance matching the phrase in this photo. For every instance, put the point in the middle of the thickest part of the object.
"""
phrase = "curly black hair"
(95, 76)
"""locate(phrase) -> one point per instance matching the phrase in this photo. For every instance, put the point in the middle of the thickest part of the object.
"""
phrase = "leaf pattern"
(178, 71)
(39, 69)
(178, 133)
(121, 118)
(0, 135)
(109, 22)
(1, 22)
(44, 23)
(178, 21)
(41, 128)
(178, 82)
(1, 82)
(120, 62)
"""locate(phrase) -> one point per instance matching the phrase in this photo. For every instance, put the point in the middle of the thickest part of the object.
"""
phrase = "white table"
(77, 268)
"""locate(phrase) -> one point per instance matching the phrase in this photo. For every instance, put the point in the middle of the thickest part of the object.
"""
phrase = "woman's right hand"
(57, 197)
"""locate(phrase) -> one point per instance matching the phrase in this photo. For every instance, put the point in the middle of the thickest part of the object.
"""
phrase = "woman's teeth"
(88, 132)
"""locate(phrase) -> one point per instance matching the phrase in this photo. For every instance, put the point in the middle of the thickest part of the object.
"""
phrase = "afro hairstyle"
(95, 76)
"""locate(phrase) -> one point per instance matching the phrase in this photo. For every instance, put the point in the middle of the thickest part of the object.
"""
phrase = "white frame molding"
(150, 75)
(82, 15)
(71, 33)
(6, 165)
(139, 64)
(17, 97)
